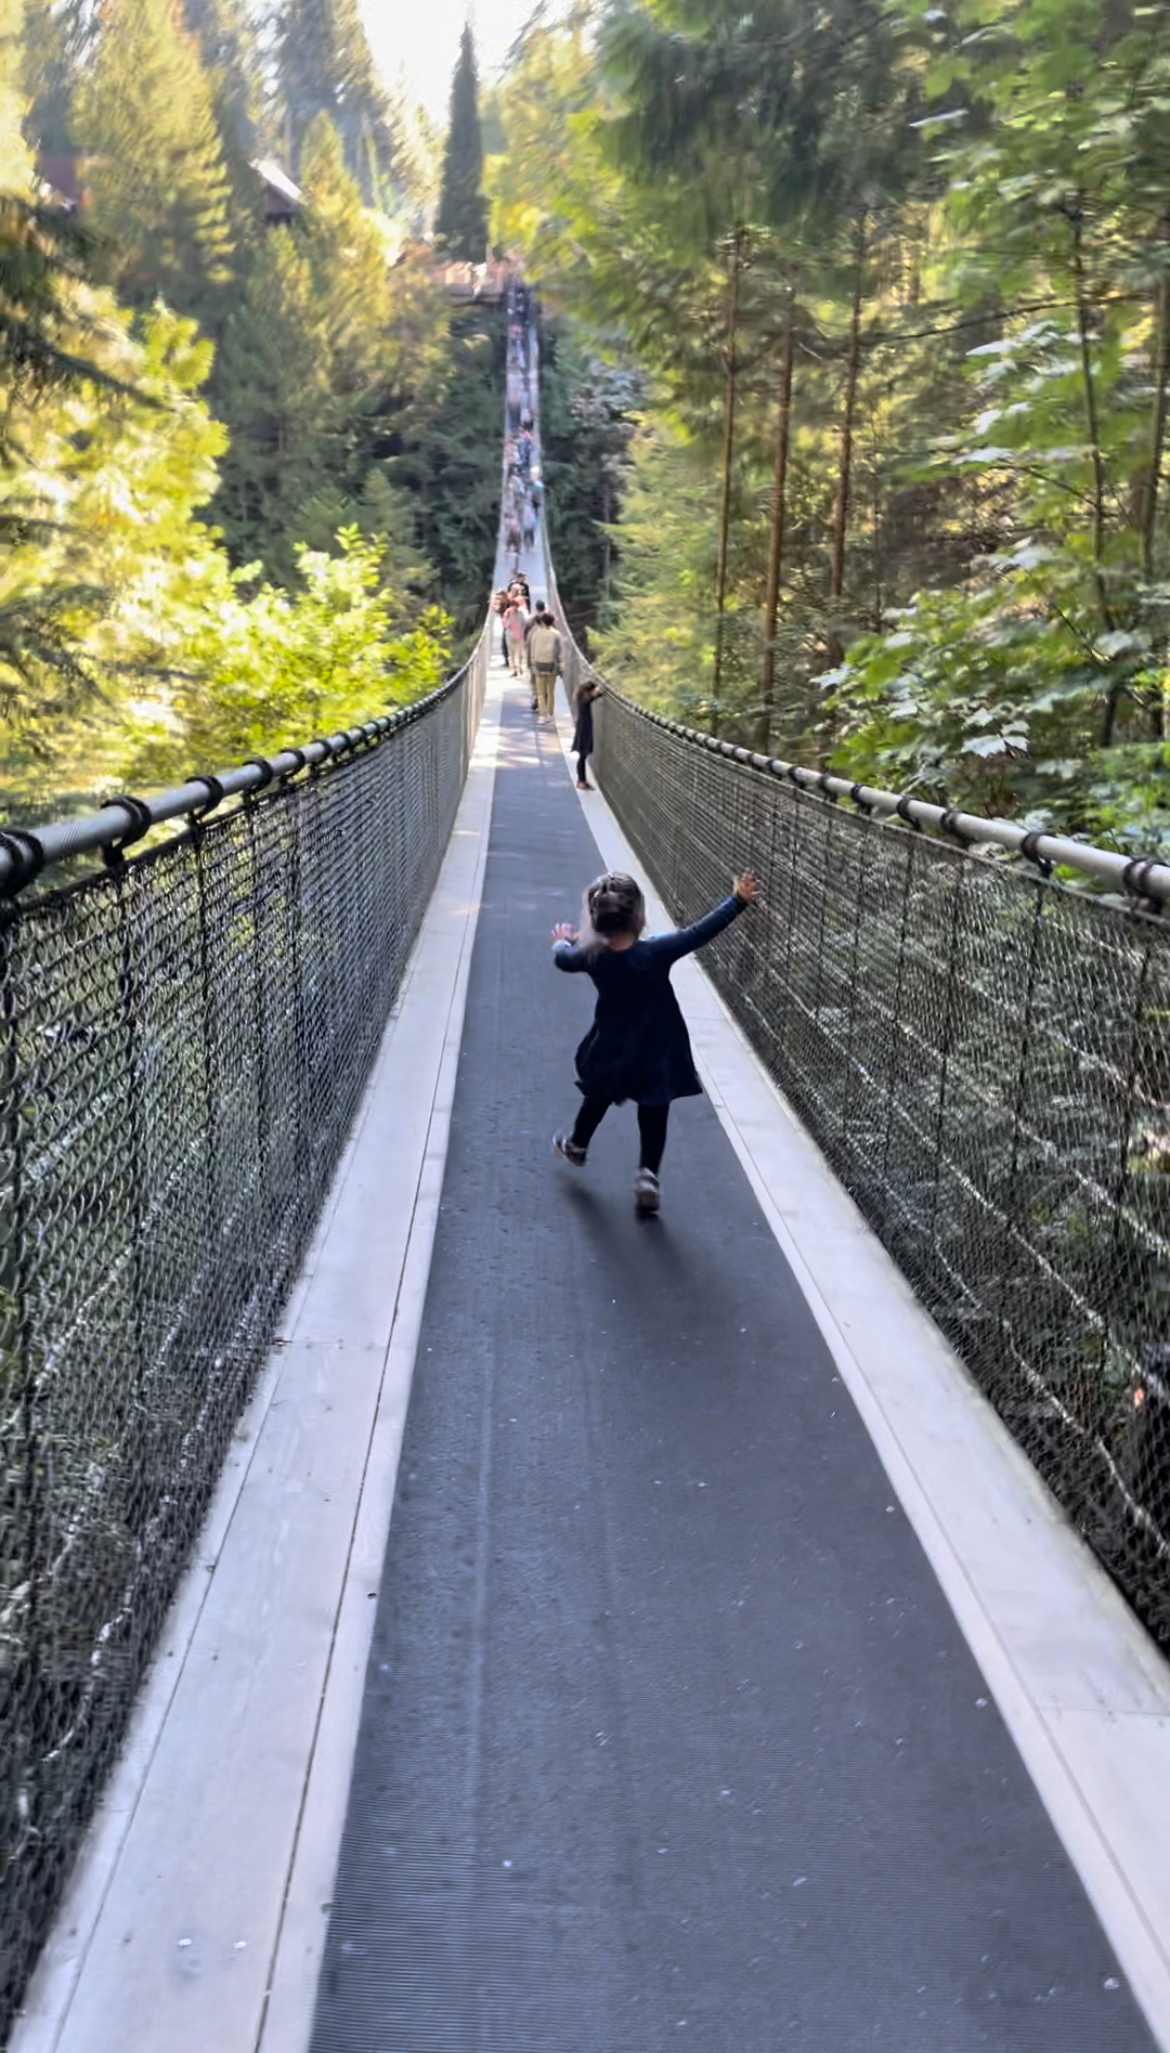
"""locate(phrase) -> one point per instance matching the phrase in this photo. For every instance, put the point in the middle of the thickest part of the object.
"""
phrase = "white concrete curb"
(1080, 1685)
(195, 1918)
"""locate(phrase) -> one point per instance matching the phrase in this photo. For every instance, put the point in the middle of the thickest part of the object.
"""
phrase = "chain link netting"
(185, 1039)
(983, 1055)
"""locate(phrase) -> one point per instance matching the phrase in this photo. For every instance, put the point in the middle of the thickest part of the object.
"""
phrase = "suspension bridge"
(443, 1610)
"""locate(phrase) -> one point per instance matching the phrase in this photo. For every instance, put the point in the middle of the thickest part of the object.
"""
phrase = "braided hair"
(613, 905)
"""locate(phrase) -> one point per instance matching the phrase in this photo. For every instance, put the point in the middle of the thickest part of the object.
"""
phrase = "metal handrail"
(1138, 876)
(24, 852)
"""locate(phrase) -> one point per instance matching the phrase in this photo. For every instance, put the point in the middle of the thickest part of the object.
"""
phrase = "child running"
(638, 1046)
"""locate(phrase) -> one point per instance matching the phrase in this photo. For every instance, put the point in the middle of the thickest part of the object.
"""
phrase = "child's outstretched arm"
(566, 953)
(672, 947)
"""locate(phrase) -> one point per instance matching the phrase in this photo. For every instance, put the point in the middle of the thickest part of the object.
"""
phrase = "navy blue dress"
(638, 1046)
(583, 731)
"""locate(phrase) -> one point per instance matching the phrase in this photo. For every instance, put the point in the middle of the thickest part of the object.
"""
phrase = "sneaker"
(647, 1191)
(564, 1146)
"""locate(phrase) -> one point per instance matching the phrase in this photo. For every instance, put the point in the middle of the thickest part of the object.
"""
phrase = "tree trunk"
(1161, 369)
(1093, 431)
(776, 537)
(834, 647)
(1092, 422)
(606, 516)
(836, 650)
(1158, 423)
(728, 454)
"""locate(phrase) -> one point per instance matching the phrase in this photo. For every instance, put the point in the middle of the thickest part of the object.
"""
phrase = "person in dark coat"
(638, 1046)
(500, 606)
(583, 699)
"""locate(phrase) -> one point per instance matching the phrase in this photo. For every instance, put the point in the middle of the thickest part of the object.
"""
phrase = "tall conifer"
(14, 156)
(58, 35)
(326, 67)
(226, 31)
(461, 225)
(348, 263)
(273, 391)
(155, 165)
(300, 370)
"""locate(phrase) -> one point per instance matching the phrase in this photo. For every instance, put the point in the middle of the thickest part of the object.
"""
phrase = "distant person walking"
(544, 656)
(533, 621)
(500, 606)
(583, 699)
(515, 622)
(638, 1046)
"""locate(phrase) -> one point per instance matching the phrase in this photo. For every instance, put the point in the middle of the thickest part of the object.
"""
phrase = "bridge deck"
(669, 1736)
(667, 1718)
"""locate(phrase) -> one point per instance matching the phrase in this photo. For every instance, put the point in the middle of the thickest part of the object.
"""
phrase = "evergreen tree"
(14, 158)
(451, 468)
(226, 32)
(273, 391)
(586, 410)
(461, 225)
(348, 262)
(326, 67)
(58, 41)
(155, 166)
(300, 375)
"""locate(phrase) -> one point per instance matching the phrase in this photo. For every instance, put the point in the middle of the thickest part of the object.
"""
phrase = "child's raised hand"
(564, 932)
(744, 887)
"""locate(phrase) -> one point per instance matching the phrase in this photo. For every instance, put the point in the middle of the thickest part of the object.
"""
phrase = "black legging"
(651, 1128)
(582, 769)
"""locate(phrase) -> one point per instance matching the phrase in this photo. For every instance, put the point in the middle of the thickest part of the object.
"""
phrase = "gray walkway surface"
(669, 1736)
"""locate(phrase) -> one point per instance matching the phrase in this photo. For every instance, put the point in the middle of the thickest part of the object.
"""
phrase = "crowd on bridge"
(531, 642)
(523, 483)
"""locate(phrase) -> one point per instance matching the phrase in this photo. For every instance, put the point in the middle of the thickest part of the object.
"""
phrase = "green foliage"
(449, 464)
(656, 639)
(272, 390)
(347, 426)
(330, 354)
(586, 430)
(461, 222)
(50, 330)
(15, 167)
(325, 67)
(57, 45)
(958, 228)
(347, 258)
(227, 32)
(262, 667)
(97, 495)
(128, 647)
(155, 171)
(65, 357)
(1041, 679)
(166, 656)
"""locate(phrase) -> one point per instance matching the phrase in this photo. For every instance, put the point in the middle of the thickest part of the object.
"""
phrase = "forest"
(856, 339)
(249, 459)
(893, 279)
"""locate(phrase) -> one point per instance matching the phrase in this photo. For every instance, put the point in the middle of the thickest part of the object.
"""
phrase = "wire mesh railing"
(185, 1039)
(983, 1056)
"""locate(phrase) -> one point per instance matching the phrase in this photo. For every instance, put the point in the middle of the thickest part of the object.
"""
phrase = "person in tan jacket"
(544, 656)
